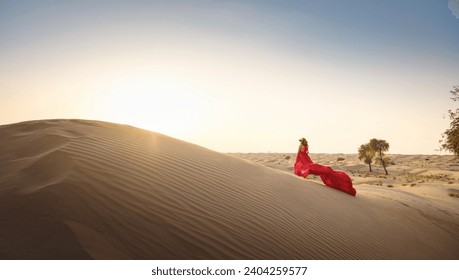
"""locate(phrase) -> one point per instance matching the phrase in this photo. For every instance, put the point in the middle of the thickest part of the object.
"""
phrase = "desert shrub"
(450, 138)
(369, 150)
(366, 154)
(379, 147)
(388, 161)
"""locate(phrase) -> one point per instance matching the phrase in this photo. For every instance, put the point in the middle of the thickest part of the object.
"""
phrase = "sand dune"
(75, 189)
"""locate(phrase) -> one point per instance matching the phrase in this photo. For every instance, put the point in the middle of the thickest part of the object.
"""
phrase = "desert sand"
(79, 189)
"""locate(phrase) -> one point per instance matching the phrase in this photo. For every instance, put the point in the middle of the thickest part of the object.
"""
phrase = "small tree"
(450, 138)
(367, 154)
(380, 146)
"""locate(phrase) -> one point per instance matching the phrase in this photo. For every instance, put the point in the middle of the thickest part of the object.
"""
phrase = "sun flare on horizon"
(237, 76)
(160, 103)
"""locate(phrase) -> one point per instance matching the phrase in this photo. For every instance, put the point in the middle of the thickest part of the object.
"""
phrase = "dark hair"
(303, 141)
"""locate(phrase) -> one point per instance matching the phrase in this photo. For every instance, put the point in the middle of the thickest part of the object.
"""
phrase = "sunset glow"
(237, 76)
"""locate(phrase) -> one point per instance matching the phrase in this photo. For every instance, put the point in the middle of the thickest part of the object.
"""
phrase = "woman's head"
(303, 141)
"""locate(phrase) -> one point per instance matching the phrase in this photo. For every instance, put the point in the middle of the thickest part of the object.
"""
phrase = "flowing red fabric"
(335, 179)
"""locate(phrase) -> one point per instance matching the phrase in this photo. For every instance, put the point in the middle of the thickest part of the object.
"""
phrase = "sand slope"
(75, 189)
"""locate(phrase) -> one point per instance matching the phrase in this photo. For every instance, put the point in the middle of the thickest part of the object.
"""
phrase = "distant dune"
(77, 189)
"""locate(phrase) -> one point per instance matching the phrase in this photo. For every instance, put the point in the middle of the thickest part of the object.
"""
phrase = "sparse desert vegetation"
(425, 175)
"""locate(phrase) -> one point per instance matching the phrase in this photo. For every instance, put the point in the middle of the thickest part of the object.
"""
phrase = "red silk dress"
(335, 179)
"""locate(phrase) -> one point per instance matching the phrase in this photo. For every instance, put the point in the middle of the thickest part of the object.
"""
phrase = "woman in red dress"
(335, 179)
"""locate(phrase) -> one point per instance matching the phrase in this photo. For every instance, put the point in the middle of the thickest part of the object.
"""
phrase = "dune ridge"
(81, 189)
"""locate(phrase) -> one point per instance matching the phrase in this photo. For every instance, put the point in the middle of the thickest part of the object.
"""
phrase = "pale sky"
(238, 76)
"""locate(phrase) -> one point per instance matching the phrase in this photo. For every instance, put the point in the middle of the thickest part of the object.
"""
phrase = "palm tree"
(380, 146)
(367, 154)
